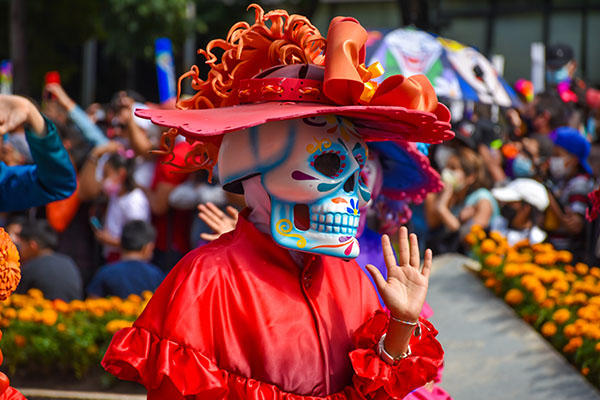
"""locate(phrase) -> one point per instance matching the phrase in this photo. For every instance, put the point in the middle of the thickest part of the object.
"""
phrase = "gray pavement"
(490, 352)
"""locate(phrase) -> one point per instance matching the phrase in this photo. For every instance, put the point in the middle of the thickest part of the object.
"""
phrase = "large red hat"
(287, 71)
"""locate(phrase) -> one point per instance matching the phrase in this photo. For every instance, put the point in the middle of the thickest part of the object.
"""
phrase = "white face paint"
(311, 170)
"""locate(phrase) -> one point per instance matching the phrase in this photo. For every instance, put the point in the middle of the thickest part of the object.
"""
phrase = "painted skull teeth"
(335, 223)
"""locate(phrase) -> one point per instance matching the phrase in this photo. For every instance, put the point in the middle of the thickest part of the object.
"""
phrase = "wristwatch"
(387, 357)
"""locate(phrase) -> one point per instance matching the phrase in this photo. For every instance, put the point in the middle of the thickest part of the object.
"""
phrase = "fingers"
(415, 257)
(216, 210)
(388, 252)
(209, 217)
(209, 237)
(404, 252)
(427, 263)
(233, 212)
(377, 277)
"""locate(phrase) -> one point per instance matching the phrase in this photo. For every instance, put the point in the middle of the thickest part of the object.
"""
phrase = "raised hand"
(217, 220)
(405, 290)
(16, 111)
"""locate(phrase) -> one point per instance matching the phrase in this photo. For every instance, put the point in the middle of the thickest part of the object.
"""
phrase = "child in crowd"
(133, 274)
(126, 202)
(571, 174)
(523, 202)
(465, 201)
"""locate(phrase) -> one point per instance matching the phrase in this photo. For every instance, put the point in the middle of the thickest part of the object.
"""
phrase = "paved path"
(490, 352)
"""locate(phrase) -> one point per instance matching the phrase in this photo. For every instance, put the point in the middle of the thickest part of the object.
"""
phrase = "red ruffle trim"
(12, 394)
(373, 376)
(136, 354)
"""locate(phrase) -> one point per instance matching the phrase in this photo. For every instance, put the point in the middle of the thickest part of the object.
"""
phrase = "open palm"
(405, 290)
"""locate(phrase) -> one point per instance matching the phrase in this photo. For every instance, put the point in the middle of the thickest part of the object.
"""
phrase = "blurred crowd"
(524, 171)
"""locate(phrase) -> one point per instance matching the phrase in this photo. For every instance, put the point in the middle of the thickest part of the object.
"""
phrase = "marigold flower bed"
(560, 300)
(44, 337)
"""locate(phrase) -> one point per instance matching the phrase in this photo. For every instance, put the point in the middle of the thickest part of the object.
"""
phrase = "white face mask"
(558, 169)
(453, 178)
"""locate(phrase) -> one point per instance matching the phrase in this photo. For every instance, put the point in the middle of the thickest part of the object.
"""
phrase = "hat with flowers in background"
(281, 68)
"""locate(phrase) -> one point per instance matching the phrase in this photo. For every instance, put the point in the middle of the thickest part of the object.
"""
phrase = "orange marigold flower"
(595, 272)
(49, 317)
(116, 324)
(10, 273)
(61, 327)
(539, 294)
(549, 329)
(581, 268)
(493, 260)
(521, 243)
(548, 303)
(574, 344)
(561, 285)
(570, 330)
(585, 371)
(561, 316)
(476, 228)
(511, 270)
(597, 347)
(471, 239)
(61, 306)
(488, 246)
(497, 236)
(20, 340)
(490, 283)
(564, 256)
(514, 297)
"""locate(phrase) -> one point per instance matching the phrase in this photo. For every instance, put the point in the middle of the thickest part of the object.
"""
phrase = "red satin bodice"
(238, 318)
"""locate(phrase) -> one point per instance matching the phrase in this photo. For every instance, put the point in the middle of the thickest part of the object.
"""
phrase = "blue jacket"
(51, 178)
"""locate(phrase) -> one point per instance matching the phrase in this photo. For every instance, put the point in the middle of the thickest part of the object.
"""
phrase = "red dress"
(239, 319)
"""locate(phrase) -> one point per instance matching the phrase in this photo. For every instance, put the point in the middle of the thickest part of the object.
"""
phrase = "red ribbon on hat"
(347, 80)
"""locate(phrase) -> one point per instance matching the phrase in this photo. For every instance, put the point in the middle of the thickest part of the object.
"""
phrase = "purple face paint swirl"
(301, 176)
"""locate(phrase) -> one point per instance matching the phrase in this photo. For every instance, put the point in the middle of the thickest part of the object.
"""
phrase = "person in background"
(465, 201)
(560, 74)
(523, 202)
(133, 274)
(547, 113)
(51, 177)
(571, 175)
(126, 202)
(88, 128)
(55, 274)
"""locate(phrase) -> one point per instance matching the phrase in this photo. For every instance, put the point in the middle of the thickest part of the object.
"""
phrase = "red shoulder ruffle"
(12, 394)
(373, 375)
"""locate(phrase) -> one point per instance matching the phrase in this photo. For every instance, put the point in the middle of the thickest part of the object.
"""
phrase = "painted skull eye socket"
(328, 164)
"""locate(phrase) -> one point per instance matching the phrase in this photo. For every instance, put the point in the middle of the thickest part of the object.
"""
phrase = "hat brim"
(407, 173)
(506, 194)
(373, 123)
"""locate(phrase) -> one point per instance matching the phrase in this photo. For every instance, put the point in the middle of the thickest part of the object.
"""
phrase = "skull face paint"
(311, 169)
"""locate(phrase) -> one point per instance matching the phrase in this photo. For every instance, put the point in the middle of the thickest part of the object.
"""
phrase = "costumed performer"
(274, 309)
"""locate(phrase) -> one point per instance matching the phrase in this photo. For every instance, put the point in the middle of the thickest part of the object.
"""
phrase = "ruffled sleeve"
(138, 355)
(375, 379)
